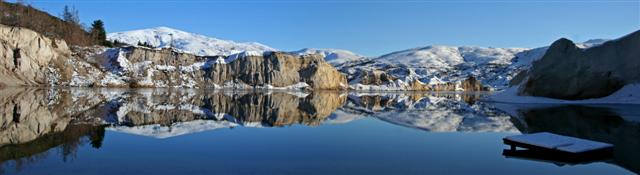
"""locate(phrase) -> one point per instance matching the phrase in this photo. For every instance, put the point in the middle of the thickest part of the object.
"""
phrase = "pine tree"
(98, 33)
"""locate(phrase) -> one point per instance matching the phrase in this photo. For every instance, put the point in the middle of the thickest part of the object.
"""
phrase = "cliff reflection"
(434, 112)
(615, 124)
(37, 121)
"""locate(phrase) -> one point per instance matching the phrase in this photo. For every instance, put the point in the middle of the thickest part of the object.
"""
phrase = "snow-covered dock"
(549, 141)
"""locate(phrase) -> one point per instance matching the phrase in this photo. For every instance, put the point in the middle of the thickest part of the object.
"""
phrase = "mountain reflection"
(436, 112)
(35, 121)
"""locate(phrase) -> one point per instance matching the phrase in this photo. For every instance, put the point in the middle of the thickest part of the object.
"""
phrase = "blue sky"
(369, 27)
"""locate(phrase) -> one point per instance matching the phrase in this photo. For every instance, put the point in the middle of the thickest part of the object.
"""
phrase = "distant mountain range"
(437, 64)
(162, 37)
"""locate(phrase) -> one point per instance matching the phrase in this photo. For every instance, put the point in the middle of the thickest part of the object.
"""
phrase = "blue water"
(367, 145)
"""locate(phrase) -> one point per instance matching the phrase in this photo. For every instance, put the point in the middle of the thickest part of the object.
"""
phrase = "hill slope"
(186, 42)
(17, 15)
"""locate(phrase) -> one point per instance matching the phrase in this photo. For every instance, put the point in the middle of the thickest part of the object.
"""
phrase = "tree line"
(67, 26)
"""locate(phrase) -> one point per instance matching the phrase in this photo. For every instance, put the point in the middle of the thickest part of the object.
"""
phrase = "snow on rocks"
(332, 56)
(629, 94)
(493, 67)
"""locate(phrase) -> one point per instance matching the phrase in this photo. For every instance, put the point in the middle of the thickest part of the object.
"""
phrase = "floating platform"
(555, 148)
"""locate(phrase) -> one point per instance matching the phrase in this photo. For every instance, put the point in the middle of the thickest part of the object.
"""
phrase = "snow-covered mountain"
(446, 57)
(207, 46)
(493, 67)
(186, 42)
(332, 56)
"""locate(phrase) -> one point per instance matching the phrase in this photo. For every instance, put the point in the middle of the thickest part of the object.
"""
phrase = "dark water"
(168, 131)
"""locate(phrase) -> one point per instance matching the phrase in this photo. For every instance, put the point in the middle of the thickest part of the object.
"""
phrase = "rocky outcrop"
(30, 59)
(141, 67)
(25, 57)
(569, 72)
(277, 69)
(469, 84)
(377, 80)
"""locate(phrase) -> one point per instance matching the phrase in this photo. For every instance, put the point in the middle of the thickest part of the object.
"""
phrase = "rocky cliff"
(143, 67)
(407, 80)
(572, 73)
(26, 56)
(30, 59)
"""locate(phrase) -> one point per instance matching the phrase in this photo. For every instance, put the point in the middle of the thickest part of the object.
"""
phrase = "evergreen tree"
(98, 33)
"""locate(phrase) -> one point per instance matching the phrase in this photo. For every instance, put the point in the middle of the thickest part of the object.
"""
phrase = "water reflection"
(36, 121)
(615, 124)
(447, 112)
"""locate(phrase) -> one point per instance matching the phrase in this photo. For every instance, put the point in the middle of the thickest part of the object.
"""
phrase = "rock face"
(278, 69)
(332, 56)
(569, 72)
(142, 67)
(377, 80)
(30, 59)
(25, 56)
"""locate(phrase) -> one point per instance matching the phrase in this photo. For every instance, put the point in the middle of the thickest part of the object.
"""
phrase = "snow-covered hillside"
(446, 57)
(208, 46)
(186, 42)
(493, 67)
(332, 56)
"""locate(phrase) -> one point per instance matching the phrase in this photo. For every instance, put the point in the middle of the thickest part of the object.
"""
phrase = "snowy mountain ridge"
(197, 44)
(446, 57)
(186, 42)
(493, 67)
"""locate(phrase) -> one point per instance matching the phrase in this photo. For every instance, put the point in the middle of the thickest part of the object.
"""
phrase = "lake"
(180, 131)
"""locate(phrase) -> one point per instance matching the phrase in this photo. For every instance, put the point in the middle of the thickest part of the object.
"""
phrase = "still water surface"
(170, 131)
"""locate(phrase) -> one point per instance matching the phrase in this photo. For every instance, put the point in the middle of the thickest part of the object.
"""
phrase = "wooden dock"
(555, 148)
